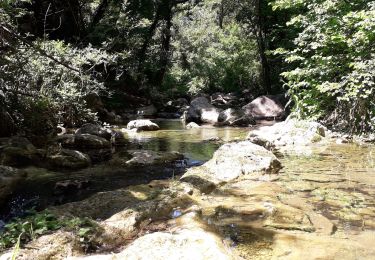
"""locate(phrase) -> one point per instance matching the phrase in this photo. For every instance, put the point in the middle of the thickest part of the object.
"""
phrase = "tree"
(332, 61)
(212, 50)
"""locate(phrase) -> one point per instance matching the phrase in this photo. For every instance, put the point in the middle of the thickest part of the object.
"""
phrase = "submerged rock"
(68, 187)
(9, 179)
(142, 125)
(231, 161)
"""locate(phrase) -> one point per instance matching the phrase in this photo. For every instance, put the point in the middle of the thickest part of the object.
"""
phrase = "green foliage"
(210, 54)
(332, 61)
(23, 230)
(32, 81)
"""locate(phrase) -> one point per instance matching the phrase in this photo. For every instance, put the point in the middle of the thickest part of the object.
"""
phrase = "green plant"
(331, 62)
(22, 230)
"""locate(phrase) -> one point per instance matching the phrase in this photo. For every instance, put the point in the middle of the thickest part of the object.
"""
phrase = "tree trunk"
(99, 13)
(148, 37)
(166, 44)
(262, 48)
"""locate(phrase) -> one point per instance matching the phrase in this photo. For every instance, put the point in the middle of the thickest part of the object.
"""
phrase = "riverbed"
(332, 183)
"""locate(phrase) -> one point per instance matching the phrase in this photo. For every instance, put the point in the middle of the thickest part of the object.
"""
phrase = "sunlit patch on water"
(338, 181)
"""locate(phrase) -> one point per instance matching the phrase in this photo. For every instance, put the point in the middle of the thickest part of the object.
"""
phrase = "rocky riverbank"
(244, 203)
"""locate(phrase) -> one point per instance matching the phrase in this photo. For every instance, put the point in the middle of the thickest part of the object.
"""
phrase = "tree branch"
(41, 51)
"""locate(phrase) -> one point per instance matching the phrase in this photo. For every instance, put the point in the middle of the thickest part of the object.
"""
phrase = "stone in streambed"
(142, 125)
(190, 240)
(192, 125)
(68, 159)
(201, 111)
(290, 135)
(83, 141)
(94, 129)
(231, 161)
(145, 157)
(265, 107)
(235, 117)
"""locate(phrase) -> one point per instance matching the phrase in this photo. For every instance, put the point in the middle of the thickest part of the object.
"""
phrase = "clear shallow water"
(338, 180)
(195, 144)
(38, 190)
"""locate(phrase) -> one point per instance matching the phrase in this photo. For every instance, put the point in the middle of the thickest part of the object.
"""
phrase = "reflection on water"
(195, 144)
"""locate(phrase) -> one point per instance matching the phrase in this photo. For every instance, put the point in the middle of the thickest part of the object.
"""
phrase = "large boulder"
(69, 159)
(235, 117)
(17, 151)
(184, 244)
(9, 179)
(83, 141)
(192, 125)
(145, 157)
(265, 107)
(142, 125)
(116, 137)
(230, 162)
(201, 111)
(290, 135)
(224, 100)
(94, 129)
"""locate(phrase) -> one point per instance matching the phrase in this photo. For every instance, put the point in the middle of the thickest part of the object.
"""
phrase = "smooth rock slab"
(231, 161)
(189, 241)
(290, 135)
(142, 125)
